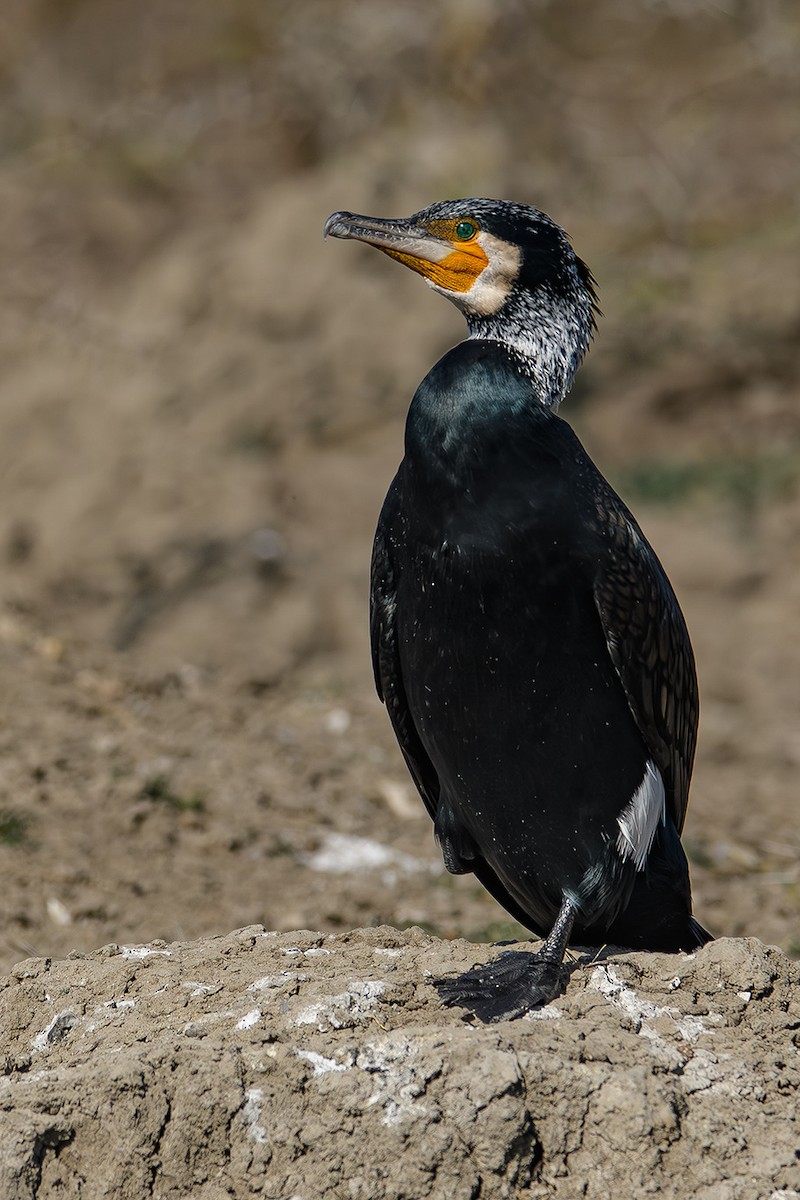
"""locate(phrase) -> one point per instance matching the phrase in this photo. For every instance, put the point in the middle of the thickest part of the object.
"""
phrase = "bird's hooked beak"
(431, 249)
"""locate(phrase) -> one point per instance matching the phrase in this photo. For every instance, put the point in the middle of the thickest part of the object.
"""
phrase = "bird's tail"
(699, 933)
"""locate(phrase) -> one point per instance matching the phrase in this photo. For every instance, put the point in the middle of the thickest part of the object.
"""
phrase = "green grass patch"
(501, 930)
(746, 480)
(157, 788)
(14, 827)
(793, 947)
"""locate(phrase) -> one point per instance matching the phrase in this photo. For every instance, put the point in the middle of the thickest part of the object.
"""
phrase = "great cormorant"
(526, 641)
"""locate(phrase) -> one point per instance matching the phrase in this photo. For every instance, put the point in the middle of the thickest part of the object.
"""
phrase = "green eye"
(465, 230)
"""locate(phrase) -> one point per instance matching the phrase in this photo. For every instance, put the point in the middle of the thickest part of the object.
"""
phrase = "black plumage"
(527, 644)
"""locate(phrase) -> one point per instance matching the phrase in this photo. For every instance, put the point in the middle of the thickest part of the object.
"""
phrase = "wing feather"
(649, 645)
(387, 669)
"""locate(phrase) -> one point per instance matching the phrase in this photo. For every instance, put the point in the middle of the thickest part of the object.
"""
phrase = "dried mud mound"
(300, 1065)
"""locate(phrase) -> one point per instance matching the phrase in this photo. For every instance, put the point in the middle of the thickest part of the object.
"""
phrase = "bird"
(527, 644)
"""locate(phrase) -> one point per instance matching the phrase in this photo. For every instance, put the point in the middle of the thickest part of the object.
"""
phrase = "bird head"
(509, 268)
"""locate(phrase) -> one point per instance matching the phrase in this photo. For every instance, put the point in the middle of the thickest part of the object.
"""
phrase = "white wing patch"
(639, 820)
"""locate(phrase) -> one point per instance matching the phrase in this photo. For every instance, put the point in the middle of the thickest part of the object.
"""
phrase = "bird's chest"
(494, 614)
(495, 627)
(480, 572)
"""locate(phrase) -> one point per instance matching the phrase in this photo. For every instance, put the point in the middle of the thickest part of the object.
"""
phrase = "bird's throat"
(546, 337)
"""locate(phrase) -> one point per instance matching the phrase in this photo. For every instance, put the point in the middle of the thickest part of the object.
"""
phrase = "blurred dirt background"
(202, 405)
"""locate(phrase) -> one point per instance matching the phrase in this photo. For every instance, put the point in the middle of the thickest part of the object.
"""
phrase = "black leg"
(516, 981)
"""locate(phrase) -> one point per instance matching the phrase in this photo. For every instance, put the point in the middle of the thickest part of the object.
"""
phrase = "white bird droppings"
(605, 980)
(548, 1013)
(249, 1019)
(55, 1031)
(251, 1115)
(142, 952)
(320, 1064)
(344, 1009)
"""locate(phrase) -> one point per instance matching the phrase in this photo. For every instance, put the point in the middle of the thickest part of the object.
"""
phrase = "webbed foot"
(504, 989)
(516, 981)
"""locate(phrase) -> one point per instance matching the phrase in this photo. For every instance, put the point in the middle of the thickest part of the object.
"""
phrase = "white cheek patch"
(639, 820)
(493, 286)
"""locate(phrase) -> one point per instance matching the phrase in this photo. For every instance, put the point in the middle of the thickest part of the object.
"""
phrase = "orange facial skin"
(457, 271)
